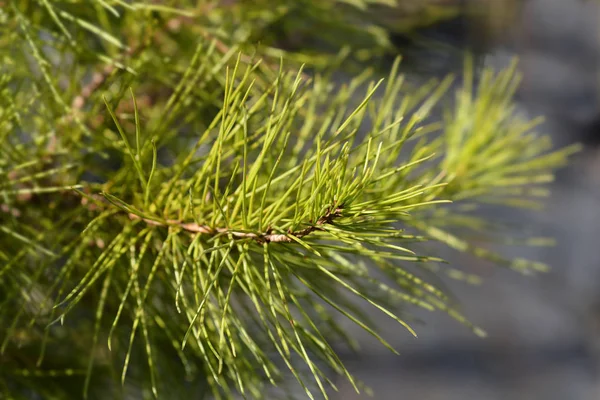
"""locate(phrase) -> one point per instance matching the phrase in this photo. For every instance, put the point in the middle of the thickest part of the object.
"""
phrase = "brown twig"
(98, 78)
(96, 202)
(268, 237)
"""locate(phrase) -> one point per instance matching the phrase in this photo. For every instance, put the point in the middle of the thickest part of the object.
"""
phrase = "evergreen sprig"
(183, 211)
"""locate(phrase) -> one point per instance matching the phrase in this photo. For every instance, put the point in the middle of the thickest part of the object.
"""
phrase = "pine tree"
(191, 201)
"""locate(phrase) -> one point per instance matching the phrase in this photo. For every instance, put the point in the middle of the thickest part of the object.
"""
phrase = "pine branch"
(216, 215)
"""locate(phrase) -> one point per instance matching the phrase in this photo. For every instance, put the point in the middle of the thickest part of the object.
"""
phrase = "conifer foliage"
(190, 203)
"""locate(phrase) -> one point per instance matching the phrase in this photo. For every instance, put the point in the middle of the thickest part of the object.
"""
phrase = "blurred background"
(544, 331)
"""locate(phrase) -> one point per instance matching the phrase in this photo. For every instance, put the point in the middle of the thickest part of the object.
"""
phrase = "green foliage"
(186, 210)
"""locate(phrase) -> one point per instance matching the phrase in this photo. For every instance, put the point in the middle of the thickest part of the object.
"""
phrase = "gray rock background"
(544, 331)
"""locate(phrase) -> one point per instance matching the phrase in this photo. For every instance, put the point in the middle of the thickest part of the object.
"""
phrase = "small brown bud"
(78, 103)
(24, 196)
